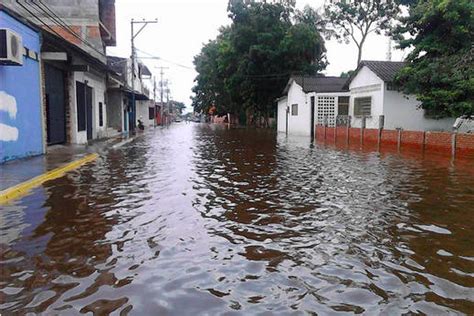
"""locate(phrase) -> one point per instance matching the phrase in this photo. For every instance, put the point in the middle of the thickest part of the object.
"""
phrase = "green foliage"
(355, 20)
(179, 106)
(347, 74)
(441, 68)
(247, 66)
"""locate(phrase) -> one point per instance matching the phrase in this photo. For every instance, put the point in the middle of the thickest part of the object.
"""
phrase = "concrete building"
(74, 66)
(309, 100)
(21, 115)
(120, 95)
(373, 93)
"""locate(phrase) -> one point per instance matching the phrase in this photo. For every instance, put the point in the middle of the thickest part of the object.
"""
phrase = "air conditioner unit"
(11, 48)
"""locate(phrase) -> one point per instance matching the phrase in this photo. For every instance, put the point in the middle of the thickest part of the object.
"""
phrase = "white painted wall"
(142, 112)
(281, 115)
(367, 84)
(299, 124)
(400, 111)
(98, 86)
(403, 111)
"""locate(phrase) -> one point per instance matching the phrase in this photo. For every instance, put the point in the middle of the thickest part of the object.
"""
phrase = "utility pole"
(154, 101)
(161, 91)
(133, 56)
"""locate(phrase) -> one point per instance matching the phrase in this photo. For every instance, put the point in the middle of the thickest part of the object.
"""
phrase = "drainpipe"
(362, 128)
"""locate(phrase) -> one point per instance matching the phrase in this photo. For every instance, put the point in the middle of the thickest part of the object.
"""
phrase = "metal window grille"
(327, 108)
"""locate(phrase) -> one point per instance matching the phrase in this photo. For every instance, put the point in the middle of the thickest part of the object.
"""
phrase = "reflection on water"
(199, 218)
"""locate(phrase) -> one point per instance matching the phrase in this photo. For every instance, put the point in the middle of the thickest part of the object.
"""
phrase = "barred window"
(362, 106)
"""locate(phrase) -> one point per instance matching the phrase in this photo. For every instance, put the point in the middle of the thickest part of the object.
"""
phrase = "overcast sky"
(185, 25)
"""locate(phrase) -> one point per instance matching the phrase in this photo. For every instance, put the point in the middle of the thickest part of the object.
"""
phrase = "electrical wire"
(58, 21)
(151, 56)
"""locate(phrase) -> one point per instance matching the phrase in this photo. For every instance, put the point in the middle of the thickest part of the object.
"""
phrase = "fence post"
(423, 142)
(335, 132)
(325, 122)
(453, 143)
(381, 125)
(348, 127)
(362, 128)
(399, 138)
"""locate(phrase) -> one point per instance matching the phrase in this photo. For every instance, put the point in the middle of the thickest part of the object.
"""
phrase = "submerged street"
(202, 219)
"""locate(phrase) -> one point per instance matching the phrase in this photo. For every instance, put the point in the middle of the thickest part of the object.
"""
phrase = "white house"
(373, 93)
(309, 100)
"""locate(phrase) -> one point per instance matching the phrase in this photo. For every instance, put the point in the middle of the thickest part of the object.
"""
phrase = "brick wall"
(412, 139)
(438, 142)
(434, 142)
(389, 137)
(66, 34)
(465, 145)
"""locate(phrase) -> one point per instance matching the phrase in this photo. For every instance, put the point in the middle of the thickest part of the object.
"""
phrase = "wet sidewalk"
(17, 171)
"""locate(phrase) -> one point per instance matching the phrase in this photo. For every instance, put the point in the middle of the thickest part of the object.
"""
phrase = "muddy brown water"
(198, 219)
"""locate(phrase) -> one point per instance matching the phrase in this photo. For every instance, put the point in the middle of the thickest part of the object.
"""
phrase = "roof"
(385, 70)
(146, 71)
(116, 64)
(318, 84)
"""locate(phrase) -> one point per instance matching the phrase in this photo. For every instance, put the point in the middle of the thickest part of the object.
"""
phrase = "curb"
(23, 188)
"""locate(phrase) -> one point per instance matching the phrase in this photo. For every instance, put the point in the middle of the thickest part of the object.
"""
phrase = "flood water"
(198, 219)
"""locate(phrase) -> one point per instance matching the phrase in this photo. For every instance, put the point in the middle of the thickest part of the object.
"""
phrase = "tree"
(247, 66)
(354, 20)
(178, 106)
(440, 71)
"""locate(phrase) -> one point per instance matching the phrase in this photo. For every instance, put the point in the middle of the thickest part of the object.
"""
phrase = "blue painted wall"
(23, 84)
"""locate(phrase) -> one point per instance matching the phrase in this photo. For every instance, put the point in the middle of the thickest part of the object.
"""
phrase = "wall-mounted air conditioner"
(11, 48)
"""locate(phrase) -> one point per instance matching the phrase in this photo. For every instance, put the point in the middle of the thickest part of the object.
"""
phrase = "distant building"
(373, 93)
(120, 95)
(308, 100)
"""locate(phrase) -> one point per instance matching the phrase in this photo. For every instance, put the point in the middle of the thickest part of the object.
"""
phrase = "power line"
(57, 20)
(151, 56)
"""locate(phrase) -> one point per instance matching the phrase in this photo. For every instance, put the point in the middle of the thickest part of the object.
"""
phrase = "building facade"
(21, 115)
(74, 68)
(373, 93)
(311, 100)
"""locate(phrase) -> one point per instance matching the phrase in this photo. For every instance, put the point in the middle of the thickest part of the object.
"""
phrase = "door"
(312, 117)
(89, 121)
(55, 105)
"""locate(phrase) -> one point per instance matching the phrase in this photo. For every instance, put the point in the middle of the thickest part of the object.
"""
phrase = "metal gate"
(55, 105)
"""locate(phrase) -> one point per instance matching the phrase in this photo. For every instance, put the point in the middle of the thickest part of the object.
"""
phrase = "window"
(151, 113)
(101, 115)
(362, 106)
(294, 109)
(343, 106)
